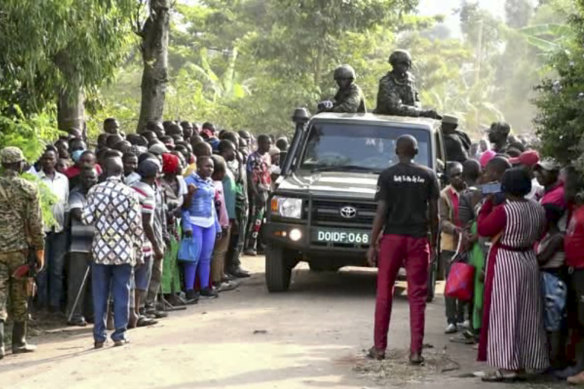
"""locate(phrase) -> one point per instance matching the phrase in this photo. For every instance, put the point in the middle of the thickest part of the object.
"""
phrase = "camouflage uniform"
(349, 100)
(21, 227)
(398, 97)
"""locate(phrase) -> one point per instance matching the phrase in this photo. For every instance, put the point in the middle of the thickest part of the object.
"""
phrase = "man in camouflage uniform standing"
(21, 229)
(349, 98)
(397, 93)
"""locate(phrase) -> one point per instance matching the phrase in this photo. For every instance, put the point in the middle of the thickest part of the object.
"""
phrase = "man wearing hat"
(456, 143)
(21, 229)
(528, 160)
(349, 97)
(547, 173)
(397, 93)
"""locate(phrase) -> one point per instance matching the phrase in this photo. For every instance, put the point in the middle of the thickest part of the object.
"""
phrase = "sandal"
(499, 376)
(144, 321)
(376, 354)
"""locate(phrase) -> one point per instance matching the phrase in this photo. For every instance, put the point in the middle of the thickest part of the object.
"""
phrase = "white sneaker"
(451, 329)
(465, 324)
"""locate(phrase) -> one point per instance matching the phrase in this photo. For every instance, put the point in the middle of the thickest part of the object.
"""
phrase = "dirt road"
(311, 337)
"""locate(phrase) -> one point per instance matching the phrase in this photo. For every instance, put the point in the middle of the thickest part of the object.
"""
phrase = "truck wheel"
(432, 276)
(278, 269)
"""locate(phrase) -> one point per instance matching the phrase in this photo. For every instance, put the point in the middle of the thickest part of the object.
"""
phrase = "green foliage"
(47, 199)
(560, 119)
(54, 45)
(30, 134)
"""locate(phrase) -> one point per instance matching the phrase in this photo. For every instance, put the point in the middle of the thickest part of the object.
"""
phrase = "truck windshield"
(359, 147)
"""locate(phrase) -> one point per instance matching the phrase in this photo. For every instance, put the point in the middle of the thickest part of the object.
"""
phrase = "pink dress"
(220, 203)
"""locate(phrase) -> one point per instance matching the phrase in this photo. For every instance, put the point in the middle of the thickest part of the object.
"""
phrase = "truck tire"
(432, 276)
(278, 269)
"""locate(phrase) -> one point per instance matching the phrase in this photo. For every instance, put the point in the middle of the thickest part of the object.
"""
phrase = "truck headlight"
(286, 207)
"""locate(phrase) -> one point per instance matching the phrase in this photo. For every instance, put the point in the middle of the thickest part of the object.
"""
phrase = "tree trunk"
(155, 58)
(71, 111)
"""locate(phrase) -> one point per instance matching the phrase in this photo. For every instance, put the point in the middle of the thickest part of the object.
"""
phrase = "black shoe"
(98, 345)
(209, 293)
(240, 273)
(416, 359)
(192, 297)
(250, 252)
(175, 301)
(19, 345)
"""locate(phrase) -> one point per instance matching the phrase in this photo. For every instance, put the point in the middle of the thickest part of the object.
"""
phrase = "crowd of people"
(142, 223)
(151, 221)
(518, 220)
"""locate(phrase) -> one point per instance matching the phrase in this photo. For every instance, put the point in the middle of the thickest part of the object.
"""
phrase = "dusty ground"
(310, 337)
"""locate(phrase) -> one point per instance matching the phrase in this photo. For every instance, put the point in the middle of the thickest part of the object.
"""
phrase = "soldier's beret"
(11, 155)
(449, 119)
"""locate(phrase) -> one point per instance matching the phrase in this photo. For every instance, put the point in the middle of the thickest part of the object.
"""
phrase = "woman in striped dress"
(513, 338)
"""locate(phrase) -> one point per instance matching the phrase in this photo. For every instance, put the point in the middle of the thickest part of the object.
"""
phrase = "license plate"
(332, 235)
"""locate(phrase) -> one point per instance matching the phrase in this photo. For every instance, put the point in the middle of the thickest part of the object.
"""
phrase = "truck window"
(358, 147)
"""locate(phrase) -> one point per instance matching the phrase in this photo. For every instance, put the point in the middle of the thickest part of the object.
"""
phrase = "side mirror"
(300, 116)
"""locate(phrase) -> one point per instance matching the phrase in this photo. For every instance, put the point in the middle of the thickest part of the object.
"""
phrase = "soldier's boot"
(19, 344)
(2, 350)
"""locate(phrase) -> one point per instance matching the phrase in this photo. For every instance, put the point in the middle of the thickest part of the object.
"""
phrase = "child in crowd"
(551, 258)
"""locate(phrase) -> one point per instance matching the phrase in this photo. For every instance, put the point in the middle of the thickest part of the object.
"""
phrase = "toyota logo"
(348, 212)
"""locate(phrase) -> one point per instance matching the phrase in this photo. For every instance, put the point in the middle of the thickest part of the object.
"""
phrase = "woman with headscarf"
(513, 338)
(175, 189)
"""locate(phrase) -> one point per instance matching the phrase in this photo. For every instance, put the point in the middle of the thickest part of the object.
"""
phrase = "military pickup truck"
(322, 209)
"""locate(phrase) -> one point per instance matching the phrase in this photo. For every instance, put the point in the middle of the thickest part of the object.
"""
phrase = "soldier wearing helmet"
(349, 98)
(397, 93)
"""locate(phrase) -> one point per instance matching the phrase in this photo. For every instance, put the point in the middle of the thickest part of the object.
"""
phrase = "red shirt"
(555, 196)
(74, 171)
(574, 241)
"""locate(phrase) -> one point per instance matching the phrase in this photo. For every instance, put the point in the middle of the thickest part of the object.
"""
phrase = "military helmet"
(399, 56)
(345, 72)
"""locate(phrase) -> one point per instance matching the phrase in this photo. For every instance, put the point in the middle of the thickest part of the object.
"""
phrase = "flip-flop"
(499, 376)
(144, 321)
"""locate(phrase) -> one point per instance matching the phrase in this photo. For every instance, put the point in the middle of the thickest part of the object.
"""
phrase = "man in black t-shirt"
(407, 208)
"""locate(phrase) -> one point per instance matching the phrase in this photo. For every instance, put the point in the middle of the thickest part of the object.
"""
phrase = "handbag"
(188, 250)
(460, 281)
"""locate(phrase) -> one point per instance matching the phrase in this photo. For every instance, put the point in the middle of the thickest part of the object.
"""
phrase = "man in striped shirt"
(152, 248)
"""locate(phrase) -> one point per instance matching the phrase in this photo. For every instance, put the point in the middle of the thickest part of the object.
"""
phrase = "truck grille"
(329, 213)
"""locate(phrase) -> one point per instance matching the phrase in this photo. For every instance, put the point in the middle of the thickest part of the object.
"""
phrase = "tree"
(518, 13)
(560, 119)
(154, 48)
(51, 51)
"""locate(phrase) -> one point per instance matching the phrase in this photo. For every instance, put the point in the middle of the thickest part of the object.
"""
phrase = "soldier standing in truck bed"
(349, 98)
(21, 229)
(397, 93)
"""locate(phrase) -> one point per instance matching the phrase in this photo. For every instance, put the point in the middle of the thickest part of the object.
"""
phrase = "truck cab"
(322, 209)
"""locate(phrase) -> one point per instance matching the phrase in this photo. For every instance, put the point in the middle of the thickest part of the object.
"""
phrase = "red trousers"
(413, 254)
